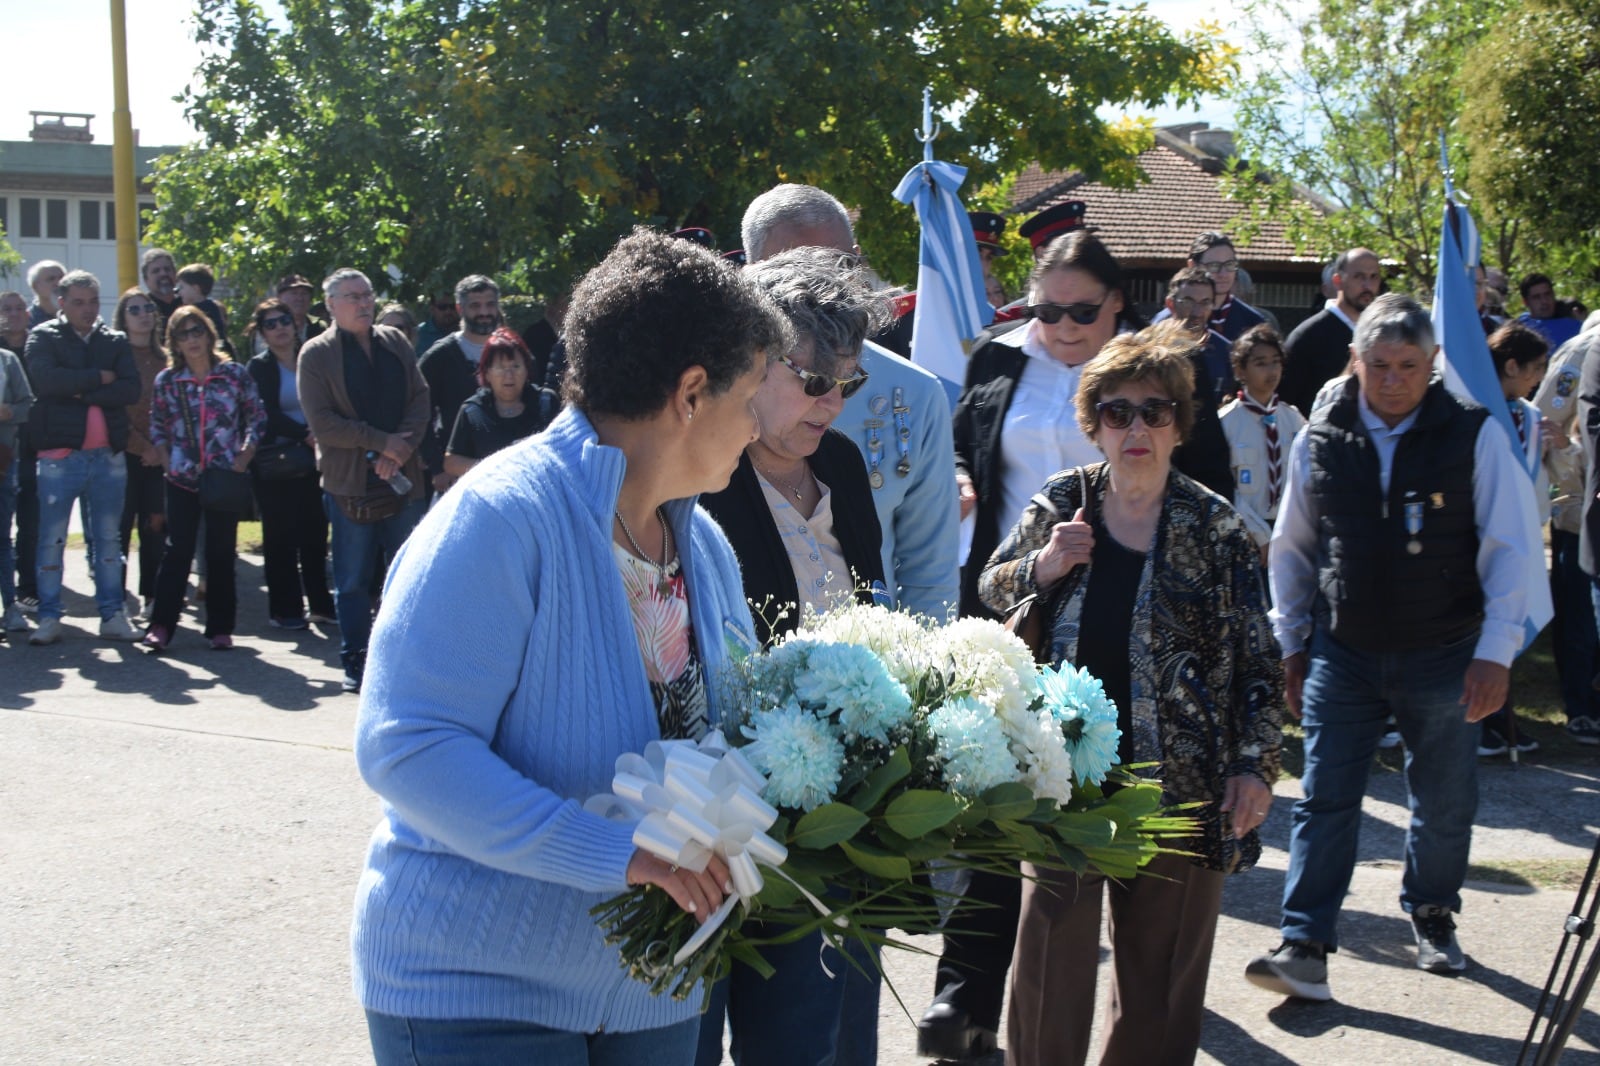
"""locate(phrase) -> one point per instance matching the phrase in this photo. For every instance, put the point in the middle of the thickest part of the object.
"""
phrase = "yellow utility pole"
(122, 156)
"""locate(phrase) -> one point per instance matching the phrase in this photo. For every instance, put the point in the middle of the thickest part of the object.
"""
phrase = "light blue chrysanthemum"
(799, 754)
(851, 680)
(972, 745)
(1088, 717)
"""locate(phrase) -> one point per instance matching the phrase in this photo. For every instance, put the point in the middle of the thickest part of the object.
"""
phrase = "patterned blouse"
(1207, 680)
(666, 640)
(226, 411)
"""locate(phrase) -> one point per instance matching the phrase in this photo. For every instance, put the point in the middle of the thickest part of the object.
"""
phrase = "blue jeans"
(8, 555)
(1348, 694)
(472, 1042)
(356, 549)
(798, 1016)
(100, 476)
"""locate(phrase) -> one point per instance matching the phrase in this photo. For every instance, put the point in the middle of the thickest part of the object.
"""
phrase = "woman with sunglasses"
(1150, 582)
(144, 504)
(294, 527)
(204, 411)
(800, 515)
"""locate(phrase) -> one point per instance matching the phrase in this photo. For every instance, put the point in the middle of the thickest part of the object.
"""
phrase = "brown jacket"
(342, 440)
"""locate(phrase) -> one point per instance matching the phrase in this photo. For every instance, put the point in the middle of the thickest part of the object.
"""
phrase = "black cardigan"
(992, 376)
(742, 512)
(264, 368)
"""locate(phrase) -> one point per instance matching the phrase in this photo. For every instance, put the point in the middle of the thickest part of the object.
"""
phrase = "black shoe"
(351, 683)
(947, 1032)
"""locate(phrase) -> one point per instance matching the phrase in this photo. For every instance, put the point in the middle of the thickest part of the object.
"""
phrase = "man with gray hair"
(900, 421)
(84, 377)
(450, 368)
(159, 272)
(367, 405)
(1397, 565)
(43, 277)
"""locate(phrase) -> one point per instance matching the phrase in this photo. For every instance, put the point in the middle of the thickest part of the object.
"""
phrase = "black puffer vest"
(1396, 572)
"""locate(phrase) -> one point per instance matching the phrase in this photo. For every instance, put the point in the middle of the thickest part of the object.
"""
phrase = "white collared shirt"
(1503, 547)
(1040, 435)
(821, 575)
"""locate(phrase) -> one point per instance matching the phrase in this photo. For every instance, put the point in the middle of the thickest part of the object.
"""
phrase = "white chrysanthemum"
(988, 676)
(902, 641)
(851, 680)
(799, 754)
(972, 745)
(1046, 763)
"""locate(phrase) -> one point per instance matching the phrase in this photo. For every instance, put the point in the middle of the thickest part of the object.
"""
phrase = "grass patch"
(1539, 873)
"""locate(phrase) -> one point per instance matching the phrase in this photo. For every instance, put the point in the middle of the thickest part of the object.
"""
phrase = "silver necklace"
(663, 582)
(780, 483)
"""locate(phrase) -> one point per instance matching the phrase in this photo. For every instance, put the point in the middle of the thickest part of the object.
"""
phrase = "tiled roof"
(1155, 221)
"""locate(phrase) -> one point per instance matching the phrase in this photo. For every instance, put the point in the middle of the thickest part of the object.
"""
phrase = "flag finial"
(930, 128)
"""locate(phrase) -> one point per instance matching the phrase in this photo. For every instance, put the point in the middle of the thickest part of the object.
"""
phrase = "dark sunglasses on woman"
(817, 385)
(277, 320)
(1082, 314)
(1118, 414)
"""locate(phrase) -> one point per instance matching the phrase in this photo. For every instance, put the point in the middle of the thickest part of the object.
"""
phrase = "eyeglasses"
(819, 385)
(190, 333)
(1224, 266)
(1083, 314)
(1118, 414)
(138, 310)
(508, 368)
(277, 320)
(1187, 303)
(355, 297)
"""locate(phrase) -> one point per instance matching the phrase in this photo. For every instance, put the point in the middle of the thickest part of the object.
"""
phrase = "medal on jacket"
(1413, 527)
(902, 433)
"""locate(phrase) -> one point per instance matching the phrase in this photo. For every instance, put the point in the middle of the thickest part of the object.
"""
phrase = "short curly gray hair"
(826, 297)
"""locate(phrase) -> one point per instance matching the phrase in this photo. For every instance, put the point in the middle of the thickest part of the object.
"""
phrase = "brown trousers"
(1162, 926)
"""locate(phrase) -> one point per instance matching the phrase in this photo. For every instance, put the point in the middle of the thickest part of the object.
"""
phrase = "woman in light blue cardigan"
(567, 602)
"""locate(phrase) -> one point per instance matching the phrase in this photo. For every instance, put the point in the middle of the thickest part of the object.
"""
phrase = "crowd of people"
(1222, 523)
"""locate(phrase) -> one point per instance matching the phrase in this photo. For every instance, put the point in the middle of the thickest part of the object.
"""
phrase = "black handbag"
(1030, 617)
(221, 488)
(285, 461)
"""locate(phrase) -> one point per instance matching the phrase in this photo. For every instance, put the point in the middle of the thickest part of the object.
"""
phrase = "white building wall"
(84, 238)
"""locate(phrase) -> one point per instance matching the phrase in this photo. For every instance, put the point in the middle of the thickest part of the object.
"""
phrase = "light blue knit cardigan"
(503, 680)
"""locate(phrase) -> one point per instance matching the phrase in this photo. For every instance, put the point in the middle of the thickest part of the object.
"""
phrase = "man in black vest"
(450, 368)
(1398, 588)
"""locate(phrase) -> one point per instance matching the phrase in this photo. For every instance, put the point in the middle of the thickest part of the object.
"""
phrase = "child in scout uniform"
(1259, 428)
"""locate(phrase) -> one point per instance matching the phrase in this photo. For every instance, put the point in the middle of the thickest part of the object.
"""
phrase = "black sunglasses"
(1082, 314)
(1118, 414)
(139, 310)
(817, 385)
(277, 320)
(190, 333)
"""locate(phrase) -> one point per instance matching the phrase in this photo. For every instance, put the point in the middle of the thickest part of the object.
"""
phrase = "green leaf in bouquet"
(829, 824)
(1025, 837)
(877, 861)
(1009, 802)
(1072, 858)
(1044, 812)
(916, 813)
(747, 954)
(881, 780)
(777, 893)
(974, 815)
(814, 869)
(1139, 800)
(919, 852)
(1085, 830)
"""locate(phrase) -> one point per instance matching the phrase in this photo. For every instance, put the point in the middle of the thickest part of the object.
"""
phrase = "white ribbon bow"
(694, 801)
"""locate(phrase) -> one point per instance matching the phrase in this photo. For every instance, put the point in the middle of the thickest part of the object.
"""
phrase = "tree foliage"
(1352, 105)
(525, 137)
(1533, 98)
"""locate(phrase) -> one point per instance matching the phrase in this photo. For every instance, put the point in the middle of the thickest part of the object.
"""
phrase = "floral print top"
(227, 413)
(1206, 675)
(666, 641)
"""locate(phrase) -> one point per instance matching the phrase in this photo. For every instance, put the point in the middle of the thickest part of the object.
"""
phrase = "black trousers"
(183, 526)
(294, 546)
(972, 967)
(144, 505)
(27, 539)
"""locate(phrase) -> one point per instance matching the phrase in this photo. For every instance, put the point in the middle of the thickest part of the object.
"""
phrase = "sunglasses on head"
(818, 385)
(137, 310)
(277, 320)
(1118, 414)
(1083, 314)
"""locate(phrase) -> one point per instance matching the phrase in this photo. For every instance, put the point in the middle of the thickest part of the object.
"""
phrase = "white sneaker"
(117, 627)
(130, 605)
(49, 631)
(13, 622)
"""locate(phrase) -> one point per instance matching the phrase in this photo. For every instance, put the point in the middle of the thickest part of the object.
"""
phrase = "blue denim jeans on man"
(1348, 695)
(356, 551)
(474, 1042)
(8, 555)
(99, 476)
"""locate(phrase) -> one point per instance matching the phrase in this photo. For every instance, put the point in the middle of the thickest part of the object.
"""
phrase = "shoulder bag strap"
(188, 420)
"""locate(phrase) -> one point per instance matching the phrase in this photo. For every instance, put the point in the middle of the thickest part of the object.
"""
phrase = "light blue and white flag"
(1469, 372)
(952, 307)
